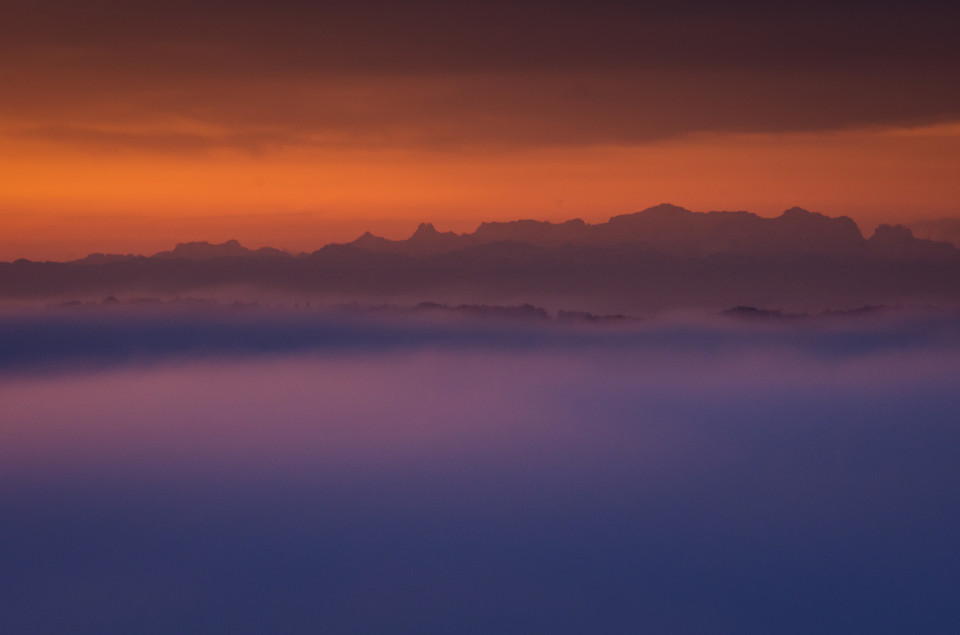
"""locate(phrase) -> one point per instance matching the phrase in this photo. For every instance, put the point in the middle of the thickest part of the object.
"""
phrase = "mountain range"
(662, 257)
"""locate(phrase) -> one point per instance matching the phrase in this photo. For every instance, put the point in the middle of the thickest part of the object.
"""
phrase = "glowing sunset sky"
(126, 127)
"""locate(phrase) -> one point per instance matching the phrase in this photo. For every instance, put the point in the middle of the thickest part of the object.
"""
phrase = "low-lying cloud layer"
(32, 340)
(285, 474)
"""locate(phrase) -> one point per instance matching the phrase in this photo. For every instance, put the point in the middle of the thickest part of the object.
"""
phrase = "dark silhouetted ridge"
(204, 250)
(665, 227)
(661, 257)
(898, 241)
(939, 229)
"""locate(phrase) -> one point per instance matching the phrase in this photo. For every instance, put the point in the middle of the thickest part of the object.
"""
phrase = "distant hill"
(206, 251)
(942, 229)
(666, 228)
(660, 258)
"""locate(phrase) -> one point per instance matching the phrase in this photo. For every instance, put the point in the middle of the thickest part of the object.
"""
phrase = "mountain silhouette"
(205, 251)
(662, 257)
(665, 228)
(940, 229)
(898, 241)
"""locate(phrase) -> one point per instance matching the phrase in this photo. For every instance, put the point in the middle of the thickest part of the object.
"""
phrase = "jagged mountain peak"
(202, 250)
(666, 209)
(885, 233)
(799, 212)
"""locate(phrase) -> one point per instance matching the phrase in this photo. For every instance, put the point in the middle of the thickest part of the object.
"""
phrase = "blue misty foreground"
(56, 339)
(315, 474)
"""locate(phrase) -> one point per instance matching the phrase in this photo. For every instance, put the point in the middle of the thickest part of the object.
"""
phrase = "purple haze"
(475, 478)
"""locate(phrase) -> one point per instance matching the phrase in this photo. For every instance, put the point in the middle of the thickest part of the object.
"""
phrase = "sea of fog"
(268, 472)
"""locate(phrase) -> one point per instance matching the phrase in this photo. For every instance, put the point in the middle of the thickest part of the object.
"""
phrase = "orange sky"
(61, 202)
(128, 129)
